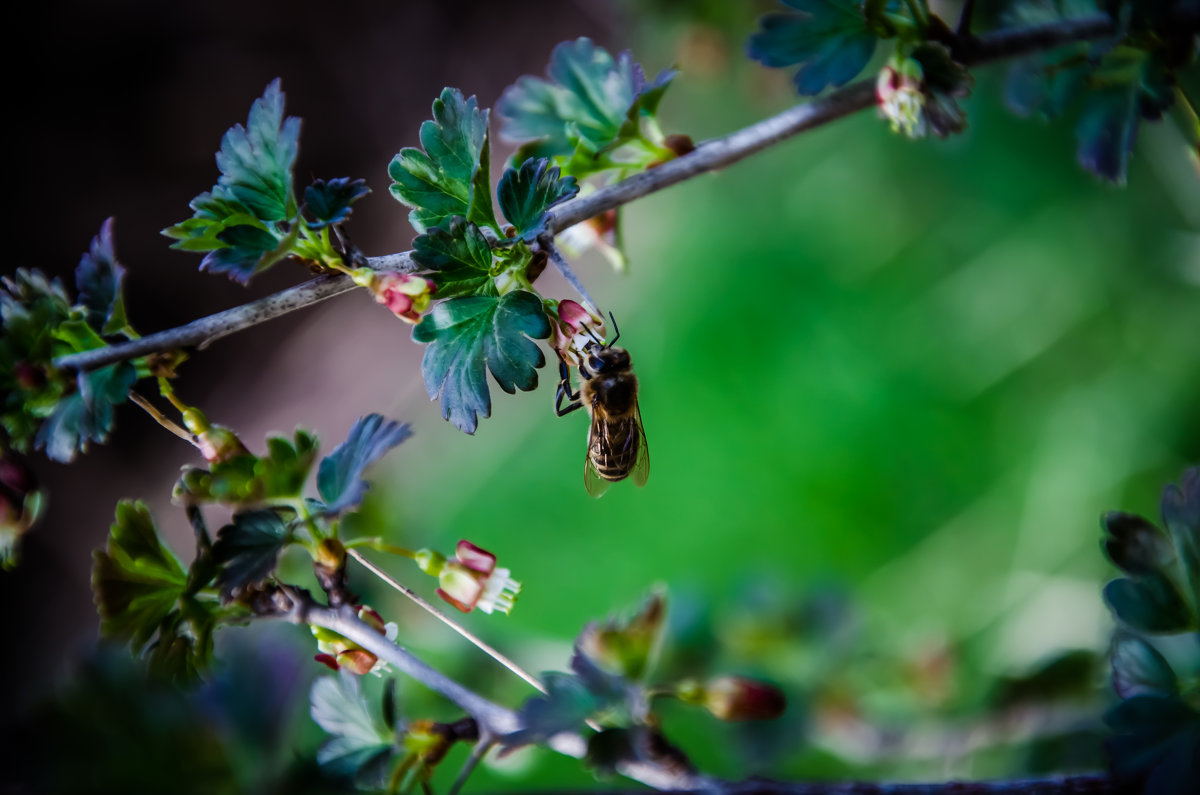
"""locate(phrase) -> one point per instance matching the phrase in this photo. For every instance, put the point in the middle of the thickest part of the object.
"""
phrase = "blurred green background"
(888, 388)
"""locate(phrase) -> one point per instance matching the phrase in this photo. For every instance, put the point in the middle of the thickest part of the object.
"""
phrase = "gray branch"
(497, 721)
(494, 720)
(709, 156)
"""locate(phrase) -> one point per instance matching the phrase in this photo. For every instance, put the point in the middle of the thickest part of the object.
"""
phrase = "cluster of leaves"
(46, 408)
(145, 596)
(251, 219)
(482, 270)
(1156, 652)
(593, 113)
(1116, 83)
(371, 745)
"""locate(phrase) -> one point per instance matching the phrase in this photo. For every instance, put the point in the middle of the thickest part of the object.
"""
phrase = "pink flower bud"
(406, 295)
(575, 327)
(21, 504)
(338, 652)
(471, 580)
(900, 94)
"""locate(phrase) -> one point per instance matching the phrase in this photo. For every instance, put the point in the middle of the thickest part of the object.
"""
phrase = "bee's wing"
(597, 434)
(641, 467)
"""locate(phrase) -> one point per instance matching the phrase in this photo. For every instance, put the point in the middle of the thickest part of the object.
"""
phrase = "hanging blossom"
(406, 295)
(470, 579)
(337, 652)
(573, 327)
(900, 94)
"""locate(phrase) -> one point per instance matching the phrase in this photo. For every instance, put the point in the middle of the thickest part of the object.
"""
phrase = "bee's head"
(606, 359)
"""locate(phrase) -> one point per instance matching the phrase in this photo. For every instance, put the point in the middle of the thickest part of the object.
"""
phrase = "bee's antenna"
(592, 334)
(617, 330)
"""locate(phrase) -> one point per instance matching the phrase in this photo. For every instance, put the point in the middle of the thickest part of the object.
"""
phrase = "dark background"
(888, 386)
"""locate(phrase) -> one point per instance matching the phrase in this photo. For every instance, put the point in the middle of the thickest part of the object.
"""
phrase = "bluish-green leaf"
(98, 281)
(329, 201)
(256, 160)
(1157, 744)
(450, 176)
(1138, 669)
(1131, 87)
(361, 744)
(246, 250)
(135, 580)
(1149, 603)
(458, 258)
(586, 102)
(565, 706)
(1181, 515)
(829, 39)
(248, 549)
(527, 194)
(339, 477)
(87, 415)
(1107, 131)
(469, 336)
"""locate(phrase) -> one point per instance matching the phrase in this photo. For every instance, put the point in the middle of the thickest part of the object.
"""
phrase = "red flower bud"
(736, 698)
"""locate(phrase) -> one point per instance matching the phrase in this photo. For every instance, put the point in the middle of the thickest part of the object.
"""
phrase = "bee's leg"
(564, 391)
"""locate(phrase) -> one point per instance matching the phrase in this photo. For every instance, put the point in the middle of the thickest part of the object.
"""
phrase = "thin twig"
(477, 753)
(547, 245)
(710, 156)
(454, 625)
(160, 418)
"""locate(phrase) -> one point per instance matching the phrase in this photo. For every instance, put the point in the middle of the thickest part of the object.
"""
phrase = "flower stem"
(162, 419)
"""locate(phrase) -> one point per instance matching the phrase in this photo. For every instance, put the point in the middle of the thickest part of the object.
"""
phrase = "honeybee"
(608, 390)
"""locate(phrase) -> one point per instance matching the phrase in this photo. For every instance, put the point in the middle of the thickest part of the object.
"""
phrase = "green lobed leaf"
(256, 160)
(1139, 669)
(88, 414)
(450, 177)
(32, 308)
(339, 476)
(527, 194)
(588, 101)
(469, 336)
(183, 649)
(248, 549)
(214, 211)
(244, 251)
(829, 39)
(98, 281)
(329, 201)
(458, 259)
(136, 581)
(1149, 603)
(360, 742)
(1181, 515)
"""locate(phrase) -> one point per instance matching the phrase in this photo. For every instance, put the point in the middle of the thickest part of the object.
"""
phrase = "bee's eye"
(595, 365)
